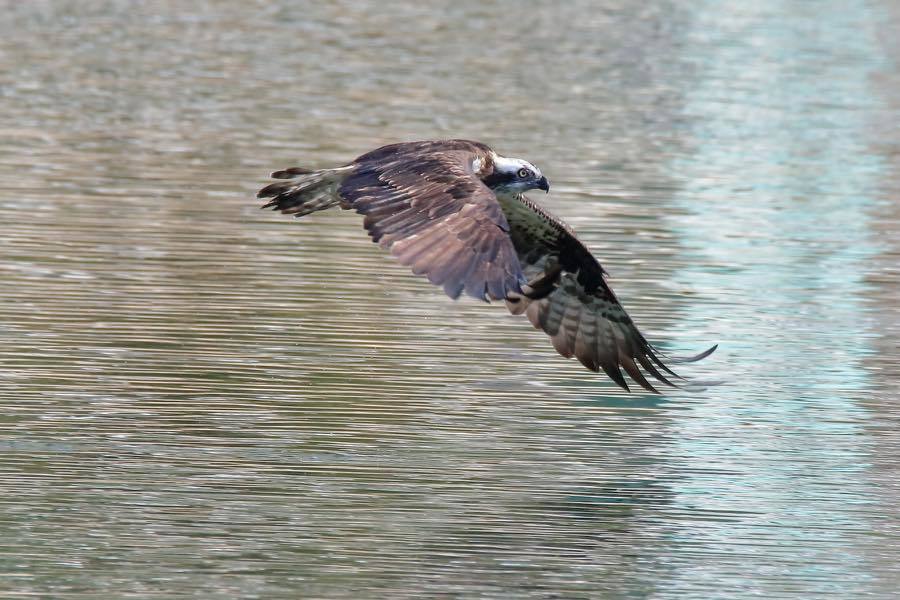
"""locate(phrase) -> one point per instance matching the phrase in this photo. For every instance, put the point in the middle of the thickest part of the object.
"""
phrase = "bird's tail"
(305, 191)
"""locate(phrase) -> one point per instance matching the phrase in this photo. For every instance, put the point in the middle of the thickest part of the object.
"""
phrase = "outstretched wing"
(571, 301)
(424, 202)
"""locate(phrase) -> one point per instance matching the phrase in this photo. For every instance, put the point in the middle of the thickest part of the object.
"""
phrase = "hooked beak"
(543, 184)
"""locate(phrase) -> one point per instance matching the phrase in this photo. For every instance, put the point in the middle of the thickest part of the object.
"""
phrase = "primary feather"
(454, 211)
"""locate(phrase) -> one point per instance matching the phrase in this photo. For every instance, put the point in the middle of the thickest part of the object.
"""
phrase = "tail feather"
(305, 191)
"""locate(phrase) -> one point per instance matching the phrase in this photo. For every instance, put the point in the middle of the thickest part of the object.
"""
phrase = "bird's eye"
(523, 173)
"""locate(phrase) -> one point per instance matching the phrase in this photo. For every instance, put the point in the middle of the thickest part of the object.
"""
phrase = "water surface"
(201, 399)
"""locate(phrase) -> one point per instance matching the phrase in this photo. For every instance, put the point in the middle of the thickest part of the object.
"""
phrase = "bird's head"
(514, 175)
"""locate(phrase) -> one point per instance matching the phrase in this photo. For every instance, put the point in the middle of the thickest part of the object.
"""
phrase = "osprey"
(454, 211)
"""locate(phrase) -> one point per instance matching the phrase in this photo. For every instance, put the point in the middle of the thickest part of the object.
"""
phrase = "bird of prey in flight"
(455, 211)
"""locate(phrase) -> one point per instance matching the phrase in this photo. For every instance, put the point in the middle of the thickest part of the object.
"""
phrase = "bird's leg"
(543, 285)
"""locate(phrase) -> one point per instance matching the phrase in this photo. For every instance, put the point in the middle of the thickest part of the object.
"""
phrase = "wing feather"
(424, 203)
(581, 314)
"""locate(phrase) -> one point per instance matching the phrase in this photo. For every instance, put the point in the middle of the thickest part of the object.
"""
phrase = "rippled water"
(203, 399)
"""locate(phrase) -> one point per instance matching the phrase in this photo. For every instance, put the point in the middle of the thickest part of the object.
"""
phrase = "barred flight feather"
(450, 211)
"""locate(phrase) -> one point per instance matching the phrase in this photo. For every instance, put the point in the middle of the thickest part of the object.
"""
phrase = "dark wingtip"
(273, 189)
(613, 372)
(653, 370)
(290, 173)
(694, 358)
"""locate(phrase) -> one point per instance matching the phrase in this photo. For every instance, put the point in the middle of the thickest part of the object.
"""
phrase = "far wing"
(572, 303)
(424, 203)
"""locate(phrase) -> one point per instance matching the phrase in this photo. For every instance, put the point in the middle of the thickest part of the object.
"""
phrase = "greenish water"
(200, 399)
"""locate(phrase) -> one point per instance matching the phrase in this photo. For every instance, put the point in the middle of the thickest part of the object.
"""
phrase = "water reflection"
(204, 399)
(791, 221)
